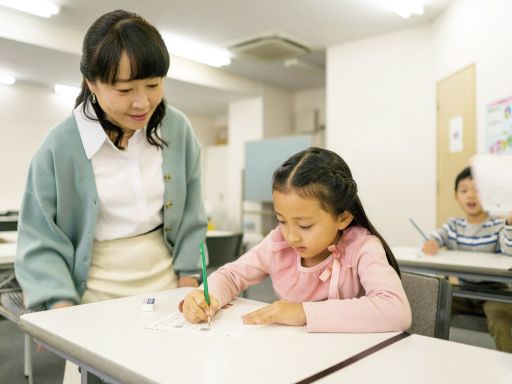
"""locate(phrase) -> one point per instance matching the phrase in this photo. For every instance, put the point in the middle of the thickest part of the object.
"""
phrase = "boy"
(477, 232)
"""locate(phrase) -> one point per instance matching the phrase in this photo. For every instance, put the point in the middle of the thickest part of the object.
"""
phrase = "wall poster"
(498, 133)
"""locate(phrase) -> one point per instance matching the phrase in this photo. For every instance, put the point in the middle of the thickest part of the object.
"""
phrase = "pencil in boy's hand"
(419, 229)
(205, 281)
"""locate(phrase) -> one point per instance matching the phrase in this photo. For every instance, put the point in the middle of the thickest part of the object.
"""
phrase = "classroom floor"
(48, 368)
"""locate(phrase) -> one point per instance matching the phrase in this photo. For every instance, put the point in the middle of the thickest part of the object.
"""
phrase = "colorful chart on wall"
(499, 127)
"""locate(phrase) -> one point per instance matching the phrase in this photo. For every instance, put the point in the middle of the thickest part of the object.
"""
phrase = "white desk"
(9, 236)
(7, 254)
(473, 265)
(109, 338)
(424, 360)
(217, 233)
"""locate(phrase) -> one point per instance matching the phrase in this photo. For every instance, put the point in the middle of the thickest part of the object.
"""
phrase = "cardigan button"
(168, 204)
(167, 228)
(167, 177)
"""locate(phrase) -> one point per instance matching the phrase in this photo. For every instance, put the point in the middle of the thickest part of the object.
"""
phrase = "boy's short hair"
(464, 174)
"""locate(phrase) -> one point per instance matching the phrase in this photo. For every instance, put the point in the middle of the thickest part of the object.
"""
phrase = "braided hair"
(324, 176)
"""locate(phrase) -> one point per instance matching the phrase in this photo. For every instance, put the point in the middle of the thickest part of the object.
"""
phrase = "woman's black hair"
(323, 175)
(106, 40)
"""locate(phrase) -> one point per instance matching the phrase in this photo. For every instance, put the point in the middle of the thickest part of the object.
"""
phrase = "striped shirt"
(493, 236)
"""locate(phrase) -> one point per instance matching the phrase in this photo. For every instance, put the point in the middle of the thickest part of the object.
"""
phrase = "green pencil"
(205, 280)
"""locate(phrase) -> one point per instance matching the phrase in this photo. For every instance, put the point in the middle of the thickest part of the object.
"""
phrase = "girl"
(328, 264)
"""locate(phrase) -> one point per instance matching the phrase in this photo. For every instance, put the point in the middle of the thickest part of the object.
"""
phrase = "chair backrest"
(223, 249)
(430, 298)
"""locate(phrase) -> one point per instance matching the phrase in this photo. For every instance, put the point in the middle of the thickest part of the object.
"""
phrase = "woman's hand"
(430, 247)
(62, 304)
(279, 312)
(188, 281)
(57, 305)
(195, 308)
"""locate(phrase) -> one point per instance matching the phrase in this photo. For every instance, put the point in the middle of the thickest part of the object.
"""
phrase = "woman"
(112, 205)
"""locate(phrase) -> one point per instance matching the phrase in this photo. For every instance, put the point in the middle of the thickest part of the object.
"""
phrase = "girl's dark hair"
(323, 175)
(106, 40)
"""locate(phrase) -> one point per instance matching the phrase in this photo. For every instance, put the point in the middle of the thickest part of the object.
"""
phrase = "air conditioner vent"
(269, 48)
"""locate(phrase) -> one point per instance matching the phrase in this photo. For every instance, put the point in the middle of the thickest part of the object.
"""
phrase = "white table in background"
(7, 254)
(473, 265)
(218, 233)
(108, 338)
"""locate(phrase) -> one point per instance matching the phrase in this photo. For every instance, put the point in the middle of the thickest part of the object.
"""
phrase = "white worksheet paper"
(493, 177)
(226, 323)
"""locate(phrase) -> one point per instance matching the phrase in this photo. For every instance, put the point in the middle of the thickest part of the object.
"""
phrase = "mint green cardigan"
(60, 207)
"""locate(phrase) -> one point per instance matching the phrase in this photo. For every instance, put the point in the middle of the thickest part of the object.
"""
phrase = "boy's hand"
(430, 247)
(279, 312)
(195, 308)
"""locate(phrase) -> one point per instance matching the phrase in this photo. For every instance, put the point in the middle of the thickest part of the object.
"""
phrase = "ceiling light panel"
(41, 8)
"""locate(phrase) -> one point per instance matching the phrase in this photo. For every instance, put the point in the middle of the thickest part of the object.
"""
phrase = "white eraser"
(147, 304)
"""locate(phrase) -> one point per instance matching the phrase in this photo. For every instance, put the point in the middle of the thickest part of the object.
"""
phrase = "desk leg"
(83, 375)
(27, 361)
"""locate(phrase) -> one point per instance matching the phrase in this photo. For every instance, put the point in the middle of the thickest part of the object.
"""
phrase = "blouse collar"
(91, 132)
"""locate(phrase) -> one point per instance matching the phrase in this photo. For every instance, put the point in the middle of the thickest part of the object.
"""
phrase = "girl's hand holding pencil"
(196, 309)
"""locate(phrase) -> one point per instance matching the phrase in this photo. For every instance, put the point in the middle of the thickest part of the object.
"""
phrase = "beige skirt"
(131, 266)
(126, 267)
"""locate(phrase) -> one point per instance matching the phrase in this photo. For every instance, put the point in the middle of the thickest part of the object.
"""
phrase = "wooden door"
(456, 115)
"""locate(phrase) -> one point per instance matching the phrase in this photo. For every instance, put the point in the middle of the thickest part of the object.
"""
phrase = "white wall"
(204, 128)
(307, 100)
(381, 106)
(28, 113)
(381, 120)
(277, 112)
(474, 31)
(245, 122)
(215, 189)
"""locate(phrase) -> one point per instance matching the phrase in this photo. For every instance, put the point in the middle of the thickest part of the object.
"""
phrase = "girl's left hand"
(279, 312)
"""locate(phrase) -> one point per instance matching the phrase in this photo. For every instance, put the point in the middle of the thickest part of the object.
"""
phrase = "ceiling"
(315, 23)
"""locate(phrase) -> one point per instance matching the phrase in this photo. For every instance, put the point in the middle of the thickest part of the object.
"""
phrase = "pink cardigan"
(353, 290)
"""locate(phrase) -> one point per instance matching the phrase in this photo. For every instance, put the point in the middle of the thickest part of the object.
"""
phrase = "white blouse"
(129, 183)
